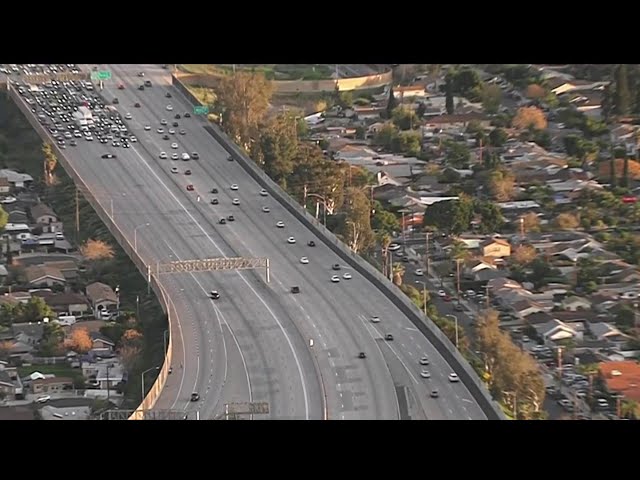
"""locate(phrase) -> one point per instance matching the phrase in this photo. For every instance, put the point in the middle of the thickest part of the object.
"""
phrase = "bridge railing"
(424, 324)
(101, 210)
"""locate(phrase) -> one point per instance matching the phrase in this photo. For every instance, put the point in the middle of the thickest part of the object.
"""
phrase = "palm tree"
(385, 241)
(590, 370)
(398, 272)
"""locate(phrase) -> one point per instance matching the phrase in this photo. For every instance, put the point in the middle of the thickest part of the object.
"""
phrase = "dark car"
(147, 83)
(187, 115)
(195, 155)
(177, 116)
(120, 86)
(175, 124)
(214, 190)
(141, 74)
(214, 201)
(336, 266)
(108, 155)
(214, 294)
(458, 308)
(115, 101)
(231, 218)
(166, 137)
(168, 95)
(195, 397)
(141, 87)
(187, 172)
(137, 105)
(230, 158)
(223, 221)
(434, 394)
(311, 243)
(295, 289)
(388, 337)
(362, 355)
(190, 188)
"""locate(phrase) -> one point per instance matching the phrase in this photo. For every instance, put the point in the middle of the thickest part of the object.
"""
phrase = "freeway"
(252, 344)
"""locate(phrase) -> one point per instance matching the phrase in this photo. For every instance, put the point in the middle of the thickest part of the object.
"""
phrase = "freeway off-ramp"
(253, 344)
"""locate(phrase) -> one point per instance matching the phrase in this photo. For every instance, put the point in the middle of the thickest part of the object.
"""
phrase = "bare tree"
(97, 250)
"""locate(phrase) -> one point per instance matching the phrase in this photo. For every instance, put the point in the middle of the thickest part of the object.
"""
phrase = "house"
(20, 350)
(109, 373)
(68, 268)
(101, 296)
(486, 275)
(628, 275)
(51, 385)
(17, 180)
(622, 377)
(28, 333)
(556, 331)
(5, 186)
(475, 265)
(7, 387)
(456, 121)
(409, 91)
(575, 303)
(525, 306)
(606, 331)
(43, 214)
(539, 318)
(495, 247)
(37, 275)
(73, 303)
(101, 343)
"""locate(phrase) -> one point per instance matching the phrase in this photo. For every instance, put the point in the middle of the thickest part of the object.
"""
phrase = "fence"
(391, 291)
(167, 306)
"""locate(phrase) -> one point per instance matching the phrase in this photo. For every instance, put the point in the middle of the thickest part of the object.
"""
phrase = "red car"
(446, 298)
(190, 188)
(120, 86)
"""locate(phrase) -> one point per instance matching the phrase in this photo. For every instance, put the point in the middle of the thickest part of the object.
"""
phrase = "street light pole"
(142, 377)
(455, 318)
(428, 259)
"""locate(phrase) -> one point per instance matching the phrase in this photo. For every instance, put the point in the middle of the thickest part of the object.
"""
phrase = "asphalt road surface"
(253, 343)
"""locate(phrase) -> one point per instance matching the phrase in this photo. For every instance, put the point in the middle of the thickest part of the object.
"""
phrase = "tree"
(567, 221)
(452, 216)
(491, 217)
(79, 341)
(625, 317)
(50, 162)
(132, 337)
(535, 92)
(449, 97)
(622, 97)
(130, 356)
(386, 135)
(345, 99)
(4, 218)
(498, 137)
(244, 100)
(52, 343)
(530, 117)
(421, 110)
(457, 154)
(361, 132)
(542, 138)
(502, 185)
(97, 250)
(459, 251)
(531, 222)
(383, 220)
(356, 228)
(34, 310)
(524, 254)
(491, 98)
(276, 148)
(392, 103)
(398, 272)
(404, 118)
(629, 409)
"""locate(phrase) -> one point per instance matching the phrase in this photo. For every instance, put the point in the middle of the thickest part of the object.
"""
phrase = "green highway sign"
(104, 75)
(201, 110)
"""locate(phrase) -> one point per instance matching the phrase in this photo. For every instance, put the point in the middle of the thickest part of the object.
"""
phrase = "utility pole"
(427, 255)
(77, 215)
(458, 260)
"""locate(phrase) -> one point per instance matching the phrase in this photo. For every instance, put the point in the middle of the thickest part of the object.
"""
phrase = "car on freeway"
(453, 377)
(133, 139)
(147, 127)
(280, 224)
(115, 101)
(336, 266)
(109, 155)
(175, 125)
(160, 130)
(174, 146)
(163, 122)
(222, 221)
(190, 188)
(177, 116)
(362, 355)
(128, 116)
(347, 276)
(295, 289)
(335, 279)
(187, 172)
(195, 155)
(214, 294)
(214, 201)
(304, 260)
(230, 158)
(418, 273)
(174, 156)
(263, 193)
(169, 107)
(375, 319)
(195, 397)
(120, 86)
(311, 243)
(73, 143)
(185, 157)
(234, 187)
(425, 374)
(388, 337)
(168, 95)
(187, 115)
(214, 190)
(231, 218)
(172, 131)
(141, 88)
(166, 137)
(174, 170)
(163, 155)
(291, 240)
(424, 360)
(183, 131)
(235, 201)
(137, 105)
(434, 394)
(266, 209)
(140, 74)
(147, 83)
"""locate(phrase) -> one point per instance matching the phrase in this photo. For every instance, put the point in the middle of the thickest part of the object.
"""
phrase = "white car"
(163, 122)
(127, 116)
(263, 193)
(43, 399)
(174, 156)
(393, 247)
(89, 138)
(174, 145)
(170, 107)
(335, 279)
(147, 127)
(235, 201)
(133, 139)
(425, 374)
(347, 276)
(160, 130)
(291, 240)
(375, 319)
(185, 156)
(442, 293)
(419, 273)
(280, 224)
(266, 209)
(172, 131)
(453, 377)
(424, 360)
(304, 260)
(163, 155)
(174, 170)
(59, 236)
(234, 187)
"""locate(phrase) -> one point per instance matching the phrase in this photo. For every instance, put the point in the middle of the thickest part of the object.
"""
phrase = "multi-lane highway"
(253, 344)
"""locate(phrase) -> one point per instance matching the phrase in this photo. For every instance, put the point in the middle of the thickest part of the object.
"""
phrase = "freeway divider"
(438, 339)
(142, 266)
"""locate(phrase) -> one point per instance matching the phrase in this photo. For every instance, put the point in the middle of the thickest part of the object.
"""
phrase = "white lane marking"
(184, 359)
(467, 400)
(295, 356)
(411, 329)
